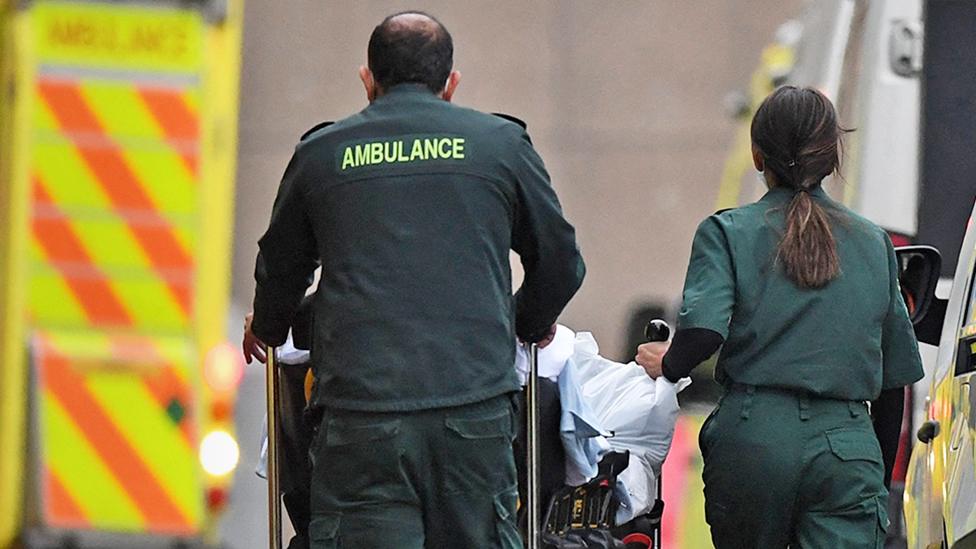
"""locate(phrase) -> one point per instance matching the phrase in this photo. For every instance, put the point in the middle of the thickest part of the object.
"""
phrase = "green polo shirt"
(847, 340)
(411, 207)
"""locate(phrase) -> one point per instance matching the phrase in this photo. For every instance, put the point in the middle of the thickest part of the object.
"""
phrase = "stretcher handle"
(534, 529)
(274, 420)
(657, 330)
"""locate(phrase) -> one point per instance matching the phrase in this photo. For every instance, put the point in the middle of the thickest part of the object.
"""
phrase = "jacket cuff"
(536, 336)
(271, 334)
(689, 348)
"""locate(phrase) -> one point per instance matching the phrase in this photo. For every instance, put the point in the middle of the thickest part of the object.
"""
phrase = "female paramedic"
(802, 296)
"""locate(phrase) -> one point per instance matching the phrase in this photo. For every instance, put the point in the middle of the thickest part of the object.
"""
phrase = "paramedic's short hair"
(411, 47)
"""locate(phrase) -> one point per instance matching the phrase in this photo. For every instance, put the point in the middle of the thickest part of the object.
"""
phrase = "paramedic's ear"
(757, 159)
(452, 83)
(369, 83)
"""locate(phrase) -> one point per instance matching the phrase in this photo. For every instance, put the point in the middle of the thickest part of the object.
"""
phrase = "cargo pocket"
(718, 520)
(496, 426)
(323, 531)
(705, 431)
(340, 433)
(360, 459)
(478, 444)
(505, 524)
(854, 445)
(883, 522)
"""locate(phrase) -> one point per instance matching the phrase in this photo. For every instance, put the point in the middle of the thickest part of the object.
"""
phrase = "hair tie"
(803, 190)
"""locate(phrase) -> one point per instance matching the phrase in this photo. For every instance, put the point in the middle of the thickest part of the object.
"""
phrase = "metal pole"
(274, 490)
(660, 520)
(658, 330)
(532, 402)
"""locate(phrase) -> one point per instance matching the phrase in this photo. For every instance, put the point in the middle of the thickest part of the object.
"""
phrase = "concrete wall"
(623, 101)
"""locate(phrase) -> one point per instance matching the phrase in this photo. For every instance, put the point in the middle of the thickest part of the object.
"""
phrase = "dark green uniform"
(412, 206)
(790, 453)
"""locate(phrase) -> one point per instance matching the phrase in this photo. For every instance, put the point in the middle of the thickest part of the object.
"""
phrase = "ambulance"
(940, 492)
(900, 73)
(118, 143)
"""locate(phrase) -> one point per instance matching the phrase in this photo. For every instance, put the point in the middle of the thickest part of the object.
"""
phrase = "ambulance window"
(966, 353)
(966, 356)
(970, 317)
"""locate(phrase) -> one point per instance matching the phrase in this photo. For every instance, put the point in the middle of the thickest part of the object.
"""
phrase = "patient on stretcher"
(592, 407)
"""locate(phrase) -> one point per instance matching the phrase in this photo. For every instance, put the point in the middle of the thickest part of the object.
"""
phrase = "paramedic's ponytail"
(797, 133)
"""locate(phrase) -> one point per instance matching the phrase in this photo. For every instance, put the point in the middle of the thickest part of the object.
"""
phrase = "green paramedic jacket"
(411, 207)
(848, 340)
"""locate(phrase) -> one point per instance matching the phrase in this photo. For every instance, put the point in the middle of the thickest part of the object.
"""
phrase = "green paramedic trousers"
(786, 469)
(426, 479)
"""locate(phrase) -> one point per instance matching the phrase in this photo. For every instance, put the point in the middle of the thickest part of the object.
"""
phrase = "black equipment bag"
(582, 516)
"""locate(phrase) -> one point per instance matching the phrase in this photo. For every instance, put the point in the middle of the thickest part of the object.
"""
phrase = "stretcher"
(569, 517)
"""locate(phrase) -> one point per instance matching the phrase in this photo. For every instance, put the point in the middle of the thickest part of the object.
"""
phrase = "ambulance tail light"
(223, 368)
(219, 453)
(898, 239)
(900, 472)
(216, 499)
(220, 410)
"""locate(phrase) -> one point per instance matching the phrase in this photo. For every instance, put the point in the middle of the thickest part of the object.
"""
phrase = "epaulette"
(511, 118)
(723, 210)
(316, 128)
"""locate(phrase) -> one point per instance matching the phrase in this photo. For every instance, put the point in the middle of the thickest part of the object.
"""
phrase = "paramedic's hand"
(546, 339)
(252, 346)
(550, 335)
(650, 355)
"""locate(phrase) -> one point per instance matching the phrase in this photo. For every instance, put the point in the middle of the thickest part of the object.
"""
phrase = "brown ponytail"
(797, 134)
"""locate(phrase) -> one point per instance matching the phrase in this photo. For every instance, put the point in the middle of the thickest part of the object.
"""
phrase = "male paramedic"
(411, 207)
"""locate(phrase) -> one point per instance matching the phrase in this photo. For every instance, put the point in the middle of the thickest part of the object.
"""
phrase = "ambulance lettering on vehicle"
(126, 196)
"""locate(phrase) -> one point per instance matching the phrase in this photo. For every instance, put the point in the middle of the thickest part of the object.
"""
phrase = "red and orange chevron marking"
(176, 119)
(98, 469)
(64, 250)
(115, 169)
(119, 182)
(62, 507)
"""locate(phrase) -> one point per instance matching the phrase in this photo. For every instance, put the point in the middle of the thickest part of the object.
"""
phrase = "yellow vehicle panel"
(115, 148)
(118, 445)
(120, 144)
(14, 193)
(940, 495)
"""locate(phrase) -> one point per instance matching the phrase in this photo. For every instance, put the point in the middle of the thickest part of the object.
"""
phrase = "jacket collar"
(407, 92)
(779, 194)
